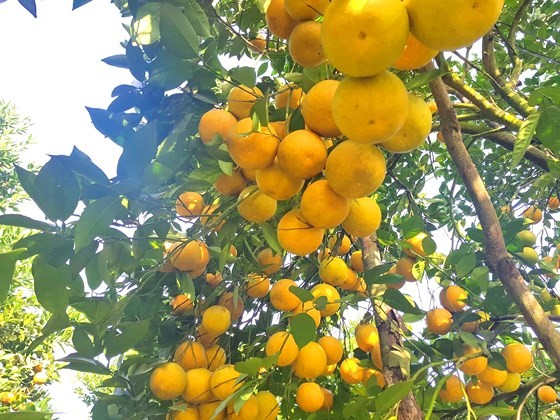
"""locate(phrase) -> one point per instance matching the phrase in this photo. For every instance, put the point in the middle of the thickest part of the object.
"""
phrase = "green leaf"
(26, 415)
(7, 267)
(469, 339)
(198, 19)
(524, 137)
(20, 220)
(260, 110)
(296, 121)
(244, 76)
(271, 237)
(145, 27)
(484, 412)
(177, 32)
(82, 343)
(50, 285)
(424, 78)
(84, 364)
(81, 164)
(131, 335)
(302, 327)
(139, 150)
(250, 367)
(396, 300)
(95, 219)
(412, 226)
(548, 126)
(466, 264)
(429, 245)
(392, 395)
(303, 294)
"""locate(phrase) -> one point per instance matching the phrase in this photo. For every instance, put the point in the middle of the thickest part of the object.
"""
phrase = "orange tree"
(356, 222)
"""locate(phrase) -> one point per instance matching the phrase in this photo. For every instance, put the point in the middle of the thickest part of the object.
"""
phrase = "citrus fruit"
(305, 46)
(328, 402)
(351, 281)
(479, 393)
(416, 246)
(214, 279)
(224, 382)
(269, 261)
(350, 371)
(452, 390)
(379, 378)
(306, 9)
(279, 22)
(241, 99)
(216, 320)
(297, 235)
(189, 203)
(404, 267)
(511, 384)
(288, 96)
(208, 411)
(364, 217)
(518, 358)
(252, 149)
(302, 154)
(232, 184)
(492, 377)
(310, 362)
(216, 122)
(192, 255)
(309, 397)
(191, 355)
(255, 206)
(322, 207)
(257, 286)
(277, 183)
(197, 389)
(189, 413)
(333, 271)
(233, 304)
(204, 338)
(283, 344)
(439, 321)
(341, 246)
(216, 357)
(308, 308)
(281, 298)
(547, 394)
(181, 304)
(527, 237)
(248, 411)
(167, 381)
(453, 298)
(330, 294)
(268, 405)
(316, 108)
(475, 365)
(356, 261)
(414, 55)
(333, 349)
(553, 203)
(533, 213)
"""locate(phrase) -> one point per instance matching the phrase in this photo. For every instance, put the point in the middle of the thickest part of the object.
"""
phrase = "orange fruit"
(416, 128)
(364, 217)
(251, 174)
(197, 389)
(518, 358)
(279, 22)
(452, 390)
(351, 281)
(433, 107)
(553, 203)
(302, 154)
(257, 45)
(241, 99)
(189, 413)
(216, 320)
(533, 213)
(252, 149)
(363, 120)
(475, 365)
(310, 362)
(283, 344)
(322, 207)
(224, 382)
(404, 267)
(297, 235)
(379, 378)
(511, 384)
(471, 326)
(309, 397)
(416, 247)
(255, 206)
(356, 261)
(208, 411)
(333, 271)
(189, 256)
(308, 308)
(328, 402)
(257, 286)
(333, 349)
(364, 37)
(453, 298)
(249, 410)
(167, 381)
(268, 405)
(343, 247)
(355, 170)
(278, 183)
(305, 46)
(216, 221)
(191, 355)
(306, 10)
(414, 55)
(193, 274)
(281, 298)
(280, 127)
(288, 96)
(492, 377)
(367, 337)
(269, 261)
(189, 204)
(329, 370)
(547, 394)
(231, 185)
(205, 338)
(316, 108)
(439, 321)
(350, 371)
(181, 304)
(479, 393)
(216, 122)
(446, 27)
(214, 279)
(233, 305)
(216, 356)
(332, 297)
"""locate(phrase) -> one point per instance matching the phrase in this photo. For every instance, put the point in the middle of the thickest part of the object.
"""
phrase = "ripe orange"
(333, 271)
(518, 358)
(351, 282)
(322, 207)
(257, 286)
(251, 174)
(283, 344)
(255, 206)
(215, 222)
(189, 413)
(197, 389)
(309, 397)
(241, 99)
(302, 154)
(306, 10)
(193, 274)
(297, 235)
(475, 365)
(208, 411)
(404, 267)
(224, 382)
(189, 204)
(308, 308)
(350, 371)
(367, 337)
(453, 298)
(40, 378)
(328, 403)
(492, 377)
(288, 96)
(547, 394)
(257, 45)
(216, 320)
(417, 126)
(316, 108)
(252, 149)
(553, 203)
(268, 405)
(332, 296)
(416, 246)
(533, 213)
(232, 184)
(214, 279)
(414, 55)
(279, 22)
(189, 256)
(215, 122)
(333, 349)
(364, 37)
(439, 321)
(479, 393)
(355, 170)
(310, 362)
(511, 384)
(343, 247)
(191, 355)
(216, 357)
(452, 390)
(234, 305)
(205, 338)
(168, 381)
(269, 261)
(379, 378)
(305, 46)
(181, 304)
(249, 410)
(277, 183)
(471, 326)
(356, 261)
(281, 298)
(281, 129)
(447, 27)
(363, 120)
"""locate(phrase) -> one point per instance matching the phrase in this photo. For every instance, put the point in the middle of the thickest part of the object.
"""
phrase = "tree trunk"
(396, 366)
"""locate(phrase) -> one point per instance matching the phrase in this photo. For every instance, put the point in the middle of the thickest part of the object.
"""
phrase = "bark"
(389, 324)
(496, 253)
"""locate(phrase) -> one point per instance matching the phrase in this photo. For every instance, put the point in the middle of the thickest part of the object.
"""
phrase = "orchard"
(360, 223)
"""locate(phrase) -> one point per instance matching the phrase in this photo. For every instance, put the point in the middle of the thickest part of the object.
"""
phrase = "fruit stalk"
(495, 248)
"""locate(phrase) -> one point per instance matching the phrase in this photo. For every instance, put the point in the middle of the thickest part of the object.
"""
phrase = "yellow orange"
(189, 203)
(284, 345)
(181, 304)
(288, 96)
(309, 397)
(302, 10)
(452, 390)
(475, 365)
(414, 55)
(252, 149)
(323, 207)
(297, 235)
(332, 298)
(257, 286)
(216, 122)
(316, 108)
(281, 298)
(241, 99)
(333, 271)
(233, 304)
(232, 184)
(248, 411)
(189, 256)
(342, 247)
(356, 261)
(278, 183)
(216, 320)
(255, 206)
(197, 389)
(333, 349)
(302, 154)
(479, 393)
(547, 394)
(310, 362)
(439, 321)
(453, 298)
(216, 356)
(279, 22)
(305, 46)
(224, 381)
(364, 217)
(268, 405)
(308, 308)
(492, 377)
(511, 384)
(269, 261)
(518, 358)
(351, 371)
(167, 381)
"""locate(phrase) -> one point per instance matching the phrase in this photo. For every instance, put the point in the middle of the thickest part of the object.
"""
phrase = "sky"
(51, 70)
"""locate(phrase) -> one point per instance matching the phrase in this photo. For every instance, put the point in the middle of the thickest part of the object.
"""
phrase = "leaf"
(490, 411)
(7, 267)
(469, 339)
(139, 150)
(145, 27)
(198, 19)
(392, 395)
(302, 327)
(27, 415)
(119, 60)
(96, 217)
(548, 126)
(177, 32)
(79, 3)
(424, 78)
(271, 237)
(250, 367)
(303, 294)
(82, 343)
(31, 7)
(81, 164)
(130, 336)
(244, 76)
(20, 220)
(412, 226)
(466, 264)
(396, 300)
(84, 364)
(429, 245)
(524, 137)
(50, 286)
(260, 111)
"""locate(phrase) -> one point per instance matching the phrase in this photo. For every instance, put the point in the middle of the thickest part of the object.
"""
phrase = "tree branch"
(495, 247)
